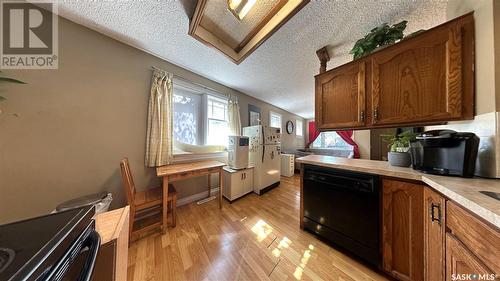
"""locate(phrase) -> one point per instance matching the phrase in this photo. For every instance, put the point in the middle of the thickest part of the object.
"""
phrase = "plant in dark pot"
(399, 145)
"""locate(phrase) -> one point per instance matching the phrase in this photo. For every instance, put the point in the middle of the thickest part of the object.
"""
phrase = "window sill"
(330, 148)
(191, 157)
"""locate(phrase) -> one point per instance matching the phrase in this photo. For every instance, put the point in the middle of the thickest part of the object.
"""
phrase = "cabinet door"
(340, 97)
(459, 260)
(402, 229)
(434, 235)
(238, 184)
(248, 181)
(419, 80)
(480, 238)
(233, 185)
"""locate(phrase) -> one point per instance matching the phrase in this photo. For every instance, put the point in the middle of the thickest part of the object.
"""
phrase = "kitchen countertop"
(464, 191)
(110, 224)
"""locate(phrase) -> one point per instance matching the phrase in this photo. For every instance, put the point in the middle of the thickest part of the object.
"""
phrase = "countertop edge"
(465, 203)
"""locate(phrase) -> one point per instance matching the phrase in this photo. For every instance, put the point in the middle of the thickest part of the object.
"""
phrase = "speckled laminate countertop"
(463, 191)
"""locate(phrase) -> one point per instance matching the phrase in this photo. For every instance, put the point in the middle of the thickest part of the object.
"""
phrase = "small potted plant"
(399, 145)
(379, 37)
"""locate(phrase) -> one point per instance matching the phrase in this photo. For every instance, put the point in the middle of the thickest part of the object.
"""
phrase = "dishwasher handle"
(347, 182)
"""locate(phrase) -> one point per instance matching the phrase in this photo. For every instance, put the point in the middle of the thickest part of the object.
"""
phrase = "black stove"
(46, 247)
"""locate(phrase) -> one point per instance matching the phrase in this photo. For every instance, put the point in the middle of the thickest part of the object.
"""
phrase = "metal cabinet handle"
(362, 115)
(432, 213)
(375, 114)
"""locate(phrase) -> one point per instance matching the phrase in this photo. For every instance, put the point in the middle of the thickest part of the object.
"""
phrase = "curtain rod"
(194, 83)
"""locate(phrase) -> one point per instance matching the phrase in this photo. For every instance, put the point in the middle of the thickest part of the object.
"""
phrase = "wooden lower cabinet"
(112, 259)
(427, 237)
(460, 261)
(402, 229)
(481, 241)
(434, 235)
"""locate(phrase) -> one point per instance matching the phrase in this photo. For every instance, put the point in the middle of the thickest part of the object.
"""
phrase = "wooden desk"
(112, 258)
(188, 170)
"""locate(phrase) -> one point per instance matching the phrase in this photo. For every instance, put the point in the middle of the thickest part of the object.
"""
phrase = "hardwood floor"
(255, 238)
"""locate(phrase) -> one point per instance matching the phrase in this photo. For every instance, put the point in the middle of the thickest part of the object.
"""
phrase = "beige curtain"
(234, 117)
(159, 136)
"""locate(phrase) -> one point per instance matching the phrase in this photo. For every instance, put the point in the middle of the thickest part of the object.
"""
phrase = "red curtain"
(347, 137)
(313, 133)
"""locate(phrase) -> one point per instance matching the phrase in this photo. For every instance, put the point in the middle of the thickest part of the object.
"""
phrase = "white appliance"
(237, 182)
(264, 156)
(237, 151)
(287, 165)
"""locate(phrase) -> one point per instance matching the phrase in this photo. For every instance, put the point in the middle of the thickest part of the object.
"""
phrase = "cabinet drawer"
(481, 239)
(460, 261)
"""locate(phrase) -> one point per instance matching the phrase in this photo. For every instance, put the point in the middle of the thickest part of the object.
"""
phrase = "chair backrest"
(128, 181)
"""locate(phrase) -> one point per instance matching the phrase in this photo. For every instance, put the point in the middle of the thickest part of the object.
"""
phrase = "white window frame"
(271, 113)
(297, 122)
(217, 98)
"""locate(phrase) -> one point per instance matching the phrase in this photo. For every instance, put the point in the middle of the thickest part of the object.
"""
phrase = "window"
(275, 120)
(331, 140)
(299, 130)
(200, 117)
(217, 116)
(187, 105)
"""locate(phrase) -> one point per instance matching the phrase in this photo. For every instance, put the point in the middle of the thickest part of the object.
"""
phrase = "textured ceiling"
(281, 71)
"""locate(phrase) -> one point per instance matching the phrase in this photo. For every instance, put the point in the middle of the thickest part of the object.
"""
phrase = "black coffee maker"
(445, 152)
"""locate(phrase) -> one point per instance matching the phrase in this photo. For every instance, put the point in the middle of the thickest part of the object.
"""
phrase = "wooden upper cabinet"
(420, 80)
(425, 79)
(340, 97)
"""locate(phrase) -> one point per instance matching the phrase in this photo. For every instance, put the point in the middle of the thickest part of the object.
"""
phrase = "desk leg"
(209, 187)
(165, 204)
(220, 188)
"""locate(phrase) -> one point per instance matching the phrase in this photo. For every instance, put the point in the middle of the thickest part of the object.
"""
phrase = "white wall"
(362, 138)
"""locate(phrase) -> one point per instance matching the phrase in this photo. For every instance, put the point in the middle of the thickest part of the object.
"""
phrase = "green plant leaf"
(381, 35)
(2, 98)
(10, 80)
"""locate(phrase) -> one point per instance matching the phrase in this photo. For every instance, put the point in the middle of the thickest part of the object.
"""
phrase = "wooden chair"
(144, 204)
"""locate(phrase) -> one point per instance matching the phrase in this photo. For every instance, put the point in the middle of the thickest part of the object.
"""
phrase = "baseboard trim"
(196, 197)
(268, 188)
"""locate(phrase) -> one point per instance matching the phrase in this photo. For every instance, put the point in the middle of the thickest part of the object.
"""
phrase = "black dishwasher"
(344, 208)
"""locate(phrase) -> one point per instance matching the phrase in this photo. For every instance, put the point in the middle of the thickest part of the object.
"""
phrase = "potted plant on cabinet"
(379, 37)
(399, 145)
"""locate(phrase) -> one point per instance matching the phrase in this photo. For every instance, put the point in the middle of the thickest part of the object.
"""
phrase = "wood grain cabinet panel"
(434, 235)
(481, 239)
(425, 79)
(340, 98)
(420, 80)
(461, 262)
(402, 229)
